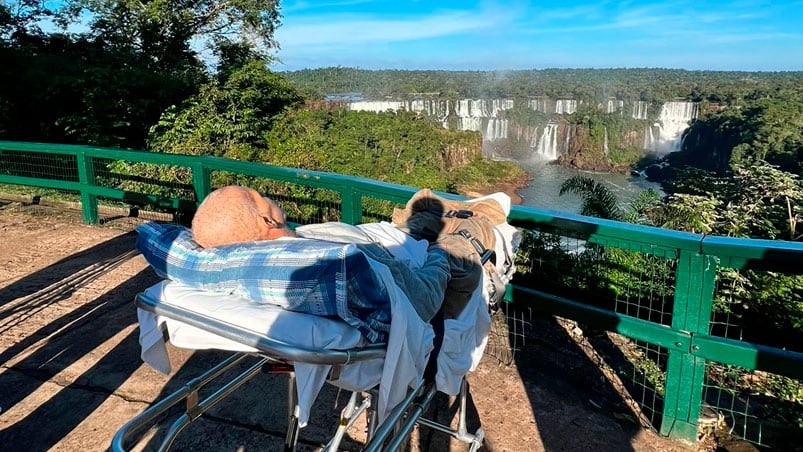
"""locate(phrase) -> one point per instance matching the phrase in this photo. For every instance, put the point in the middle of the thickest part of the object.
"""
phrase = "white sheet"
(408, 349)
(292, 327)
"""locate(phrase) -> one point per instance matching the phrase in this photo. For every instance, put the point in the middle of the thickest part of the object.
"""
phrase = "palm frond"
(598, 200)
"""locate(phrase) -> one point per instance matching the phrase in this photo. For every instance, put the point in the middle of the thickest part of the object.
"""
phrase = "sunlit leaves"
(226, 119)
(166, 23)
(597, 200)
(690, 213)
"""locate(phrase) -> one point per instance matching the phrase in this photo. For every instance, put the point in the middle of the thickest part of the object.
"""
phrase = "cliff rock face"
(591, 161)
(460, 148)
(584, 153)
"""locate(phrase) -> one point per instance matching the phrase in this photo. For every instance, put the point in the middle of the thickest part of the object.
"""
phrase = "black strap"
(485, 254)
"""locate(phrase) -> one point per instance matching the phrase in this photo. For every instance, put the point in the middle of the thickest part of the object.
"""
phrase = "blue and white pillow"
(302, 275)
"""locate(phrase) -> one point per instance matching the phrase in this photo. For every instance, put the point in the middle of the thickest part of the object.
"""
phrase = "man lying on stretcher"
(455, 239)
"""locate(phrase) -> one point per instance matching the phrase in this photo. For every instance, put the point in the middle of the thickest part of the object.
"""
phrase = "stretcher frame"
(278, 357)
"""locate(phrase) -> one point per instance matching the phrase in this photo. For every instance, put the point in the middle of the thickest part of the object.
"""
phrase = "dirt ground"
(71, 376)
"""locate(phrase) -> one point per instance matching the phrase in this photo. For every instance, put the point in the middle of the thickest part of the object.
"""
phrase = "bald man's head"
(236, 215)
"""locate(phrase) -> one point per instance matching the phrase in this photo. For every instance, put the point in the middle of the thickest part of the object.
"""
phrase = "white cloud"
(292, 7)
(603, 34)
(335, 30)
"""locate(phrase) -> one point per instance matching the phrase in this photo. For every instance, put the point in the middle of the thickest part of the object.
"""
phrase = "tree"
(642, 206)
(165, 28)
(764, 202)
(228, 118)
(690, 213)
(22, 17)
(598, 201)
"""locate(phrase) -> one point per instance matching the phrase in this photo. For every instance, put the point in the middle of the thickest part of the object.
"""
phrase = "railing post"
(685, 373)
(201, 181)
(86, 176)
(351, 206)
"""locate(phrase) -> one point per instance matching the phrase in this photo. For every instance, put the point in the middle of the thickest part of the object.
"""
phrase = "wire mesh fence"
(59, 167)
(620, 280)
(760, 407)
(302, 204)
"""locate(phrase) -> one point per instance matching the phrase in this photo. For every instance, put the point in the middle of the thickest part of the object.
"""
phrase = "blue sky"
(493, 35)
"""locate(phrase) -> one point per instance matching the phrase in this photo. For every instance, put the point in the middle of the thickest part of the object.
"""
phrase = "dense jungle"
(135, 78)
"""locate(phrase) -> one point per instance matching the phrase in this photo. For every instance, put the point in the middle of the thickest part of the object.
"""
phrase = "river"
(542, 191)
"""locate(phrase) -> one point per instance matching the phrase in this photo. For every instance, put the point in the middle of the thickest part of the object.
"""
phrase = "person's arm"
(434, 277)
(424, 285)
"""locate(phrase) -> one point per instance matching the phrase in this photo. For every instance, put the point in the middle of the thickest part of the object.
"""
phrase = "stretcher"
(277, 356)
(386, 380)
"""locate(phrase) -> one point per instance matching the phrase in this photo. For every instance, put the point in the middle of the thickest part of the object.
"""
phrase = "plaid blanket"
(303, 275)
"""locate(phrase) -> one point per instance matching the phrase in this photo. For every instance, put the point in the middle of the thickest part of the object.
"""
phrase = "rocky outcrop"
(460, 148)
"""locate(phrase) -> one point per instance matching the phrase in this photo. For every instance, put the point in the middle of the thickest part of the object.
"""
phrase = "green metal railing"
(660, 289)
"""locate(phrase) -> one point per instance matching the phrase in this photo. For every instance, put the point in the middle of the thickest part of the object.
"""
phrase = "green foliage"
(763, 202)
(767, 307)
(768, 127)
(109, 85)
(542, 263)
(81, 90)
(165, 26)
(690, 213)
(598, 201)
(591, 86)
(485, 175)
(642, 206)
(401, 147)
(757, 200)
(227, 119)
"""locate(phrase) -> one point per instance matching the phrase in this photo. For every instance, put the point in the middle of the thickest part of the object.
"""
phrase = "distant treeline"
(646, 84)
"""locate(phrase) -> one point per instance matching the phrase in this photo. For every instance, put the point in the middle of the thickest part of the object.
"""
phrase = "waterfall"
(640, 109)
(547, 147)
(482, 108)
(470, 123)
(496, 129)
(649, 139)
(470, 108)
(377, 106)
(522, 134)
(483, 116)
(565, 106)
(534, 138)
(605, 143)
(538, 105)
(499, 105)
(430, 107)
(568, 139)
(488, 117)
(674, 120)
(614, 105)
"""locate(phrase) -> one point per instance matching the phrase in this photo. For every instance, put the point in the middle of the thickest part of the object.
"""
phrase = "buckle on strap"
(459, 214)
(485, 255)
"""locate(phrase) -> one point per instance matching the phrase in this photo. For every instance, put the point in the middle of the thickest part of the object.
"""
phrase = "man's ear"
(265, 226)
(269, 229)
(276, 212)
